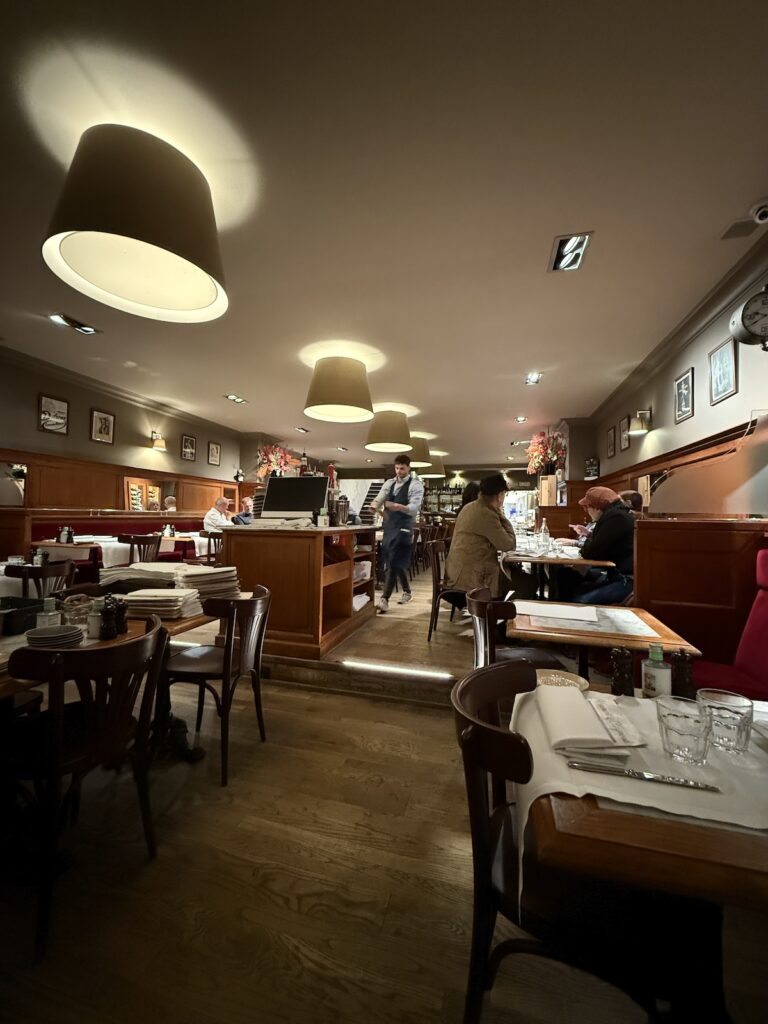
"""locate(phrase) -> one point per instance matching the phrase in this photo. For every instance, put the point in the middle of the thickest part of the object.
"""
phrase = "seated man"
(217, 516)
(481, 531)
(170, 503)
(613, 540)
(245, 516)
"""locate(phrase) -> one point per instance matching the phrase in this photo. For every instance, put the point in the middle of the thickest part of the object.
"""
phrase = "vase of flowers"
(546, 453)
(274, 460)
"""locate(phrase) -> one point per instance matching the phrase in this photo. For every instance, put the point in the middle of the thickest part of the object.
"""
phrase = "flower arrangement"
(545, 450)
(275, 458)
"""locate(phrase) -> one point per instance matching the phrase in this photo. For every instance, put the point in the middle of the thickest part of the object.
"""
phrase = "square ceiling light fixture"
(69, 321)
(134, 228)
(534, 377)
(568, 251)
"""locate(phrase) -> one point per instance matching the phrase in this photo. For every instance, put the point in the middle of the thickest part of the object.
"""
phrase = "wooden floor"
(330, 882)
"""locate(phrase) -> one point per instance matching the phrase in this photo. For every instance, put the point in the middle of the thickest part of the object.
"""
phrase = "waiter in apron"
(401, 498)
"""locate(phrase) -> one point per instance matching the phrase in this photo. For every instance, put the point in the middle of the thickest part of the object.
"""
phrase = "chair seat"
(537, 657)
(207, 661)
(727, 677)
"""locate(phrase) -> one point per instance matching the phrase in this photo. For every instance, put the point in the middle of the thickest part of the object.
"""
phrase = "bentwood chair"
(485, 615)
(72, 738)
(47, 578)
(144, 547)
(246, 624)
(436, 552)
(215, 541)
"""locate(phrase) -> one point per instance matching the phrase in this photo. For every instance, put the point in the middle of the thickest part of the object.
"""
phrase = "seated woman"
(481, 531)
(612, 540)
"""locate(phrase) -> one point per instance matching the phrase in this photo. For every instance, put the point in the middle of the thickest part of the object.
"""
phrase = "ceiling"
(394, 174)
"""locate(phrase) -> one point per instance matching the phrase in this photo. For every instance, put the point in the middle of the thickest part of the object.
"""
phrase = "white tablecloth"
(9, 587)
(114, 553)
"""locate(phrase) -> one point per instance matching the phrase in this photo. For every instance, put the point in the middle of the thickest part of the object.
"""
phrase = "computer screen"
(294, 496)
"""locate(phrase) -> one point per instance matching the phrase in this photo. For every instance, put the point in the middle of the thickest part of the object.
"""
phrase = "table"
(540, 561)
(584, 636)
(112, 551)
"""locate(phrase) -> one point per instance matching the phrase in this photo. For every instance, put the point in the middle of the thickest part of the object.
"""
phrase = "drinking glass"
(731, 718)
(685, 727)
(15, 559)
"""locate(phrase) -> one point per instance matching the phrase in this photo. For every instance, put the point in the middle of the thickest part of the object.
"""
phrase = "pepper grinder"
(682, 674)
(108, 619)
(121, 617)
(622, 684)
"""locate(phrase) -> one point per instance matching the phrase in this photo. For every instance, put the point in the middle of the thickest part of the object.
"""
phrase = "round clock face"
(754, 316)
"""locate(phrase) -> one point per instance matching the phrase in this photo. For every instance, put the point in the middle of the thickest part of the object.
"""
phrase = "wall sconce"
(158, 442)
(640, 424)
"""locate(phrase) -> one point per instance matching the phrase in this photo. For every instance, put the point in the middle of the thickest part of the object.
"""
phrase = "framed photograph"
(102, 426)
(624, 433)
(611, 442)
(684, 396)
(722, 372)
(188, 447)
(214, 453)
(53, 414)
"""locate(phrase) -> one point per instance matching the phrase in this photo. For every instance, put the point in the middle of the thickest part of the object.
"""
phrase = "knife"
(632, 773)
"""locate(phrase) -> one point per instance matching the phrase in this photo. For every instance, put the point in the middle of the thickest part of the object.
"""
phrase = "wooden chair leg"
(256, 686)
(200, 708)
(74, 802)
(141, 778)
(483, 924)
(433, 618)
(453, 611)
(226, 701)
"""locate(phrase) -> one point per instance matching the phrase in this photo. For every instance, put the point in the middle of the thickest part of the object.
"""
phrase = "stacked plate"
(54, 636)
(168, 604)
(212, 581)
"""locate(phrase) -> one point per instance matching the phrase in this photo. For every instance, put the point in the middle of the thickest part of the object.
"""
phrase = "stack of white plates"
(54, 636)
(168, 604)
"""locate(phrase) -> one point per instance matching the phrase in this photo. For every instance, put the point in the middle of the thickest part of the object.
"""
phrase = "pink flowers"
(275, 457)
(545, 450)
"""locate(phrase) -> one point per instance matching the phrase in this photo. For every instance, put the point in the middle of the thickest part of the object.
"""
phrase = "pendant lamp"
(420, 457)
(339, 391)
(134, 228)
(436, 470)
(389, 433)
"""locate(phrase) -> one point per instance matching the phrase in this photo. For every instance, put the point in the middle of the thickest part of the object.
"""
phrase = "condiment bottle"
(94, 619)
(48, 616)
(121, 617)
(682, 675)
(657, 675)
(108, 619)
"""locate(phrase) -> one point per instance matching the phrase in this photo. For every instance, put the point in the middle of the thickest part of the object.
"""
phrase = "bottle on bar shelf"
(304, 464)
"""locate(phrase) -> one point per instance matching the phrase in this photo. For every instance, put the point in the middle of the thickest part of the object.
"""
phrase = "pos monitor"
(294, 497)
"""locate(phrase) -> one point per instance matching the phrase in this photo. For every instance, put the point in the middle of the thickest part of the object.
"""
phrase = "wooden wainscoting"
(698, 577)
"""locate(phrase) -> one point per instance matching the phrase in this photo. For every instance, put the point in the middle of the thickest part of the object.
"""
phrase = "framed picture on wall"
(102, 426)
(722, 372)
(52, 414)
(684, 396)
(624, 433)
(611, 442)
(214, 453)
(188, 447)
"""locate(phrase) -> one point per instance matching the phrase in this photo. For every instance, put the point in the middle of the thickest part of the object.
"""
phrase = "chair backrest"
(86, 589)
(108, 681)
(145, 547)
(47, 578)
(490, 752)
(215, 541)
(485, 614)
(436, 556)
(246, 620)
(751, 653)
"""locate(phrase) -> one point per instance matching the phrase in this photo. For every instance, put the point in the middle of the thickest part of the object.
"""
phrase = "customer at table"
(170, 503)
(217, 516)
(245, 516)
(481, 531)
(613, 540)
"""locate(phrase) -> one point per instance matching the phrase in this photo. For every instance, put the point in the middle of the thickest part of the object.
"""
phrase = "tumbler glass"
(731, 718)
(685, 727)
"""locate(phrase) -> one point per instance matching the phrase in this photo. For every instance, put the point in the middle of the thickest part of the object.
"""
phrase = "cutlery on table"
(633, 773)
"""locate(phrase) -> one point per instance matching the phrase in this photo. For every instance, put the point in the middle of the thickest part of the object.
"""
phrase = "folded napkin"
(569, 719)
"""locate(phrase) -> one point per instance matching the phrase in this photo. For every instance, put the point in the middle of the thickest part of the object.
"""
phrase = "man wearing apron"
(401, 497)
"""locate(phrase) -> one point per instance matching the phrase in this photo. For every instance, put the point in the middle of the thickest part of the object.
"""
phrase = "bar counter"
(310, 574)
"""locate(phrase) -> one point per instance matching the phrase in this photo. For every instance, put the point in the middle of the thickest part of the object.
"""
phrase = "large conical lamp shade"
(134, 228)
(339, 391)
(389, 433)
(420, 457)
(436, 470)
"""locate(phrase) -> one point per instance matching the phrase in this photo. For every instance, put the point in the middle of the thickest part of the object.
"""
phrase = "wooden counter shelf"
(309, 573)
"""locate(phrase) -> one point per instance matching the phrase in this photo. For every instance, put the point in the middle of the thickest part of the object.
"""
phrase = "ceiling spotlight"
(568, 251)
(67, 321)
(134, 228)
(302, 430)
(340, 448)
(520, 419)
(369, 460)
(533, 378)
(236, 399)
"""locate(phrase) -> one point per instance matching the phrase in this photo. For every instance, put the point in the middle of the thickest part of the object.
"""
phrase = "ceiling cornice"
(728, 293)
(16, 358)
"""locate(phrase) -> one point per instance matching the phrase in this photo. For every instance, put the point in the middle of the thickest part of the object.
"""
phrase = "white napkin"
(569, 719)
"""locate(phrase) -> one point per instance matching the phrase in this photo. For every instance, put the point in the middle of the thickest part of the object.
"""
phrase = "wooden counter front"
(309, 573)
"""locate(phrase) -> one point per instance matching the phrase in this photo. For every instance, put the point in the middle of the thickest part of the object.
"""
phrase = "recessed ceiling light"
(237, 399)
(369, 460)
(568, 251)
(67, 321)
(341, 449)
(302, 430)
(515, 444)
(520, 419)
(510, 458)
(533, 378)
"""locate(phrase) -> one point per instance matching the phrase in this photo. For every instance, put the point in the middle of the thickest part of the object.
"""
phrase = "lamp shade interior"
(389, 433)
(339, 391)
(638, 425)
(134, 228)
(420, 457)
(436, 470)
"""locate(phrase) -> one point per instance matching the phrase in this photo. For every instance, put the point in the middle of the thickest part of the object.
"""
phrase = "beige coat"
(480, 532)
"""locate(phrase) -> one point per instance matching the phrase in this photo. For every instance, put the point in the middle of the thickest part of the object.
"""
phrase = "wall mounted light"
(158, 442)
(389, 433)
(134, 228)
(339, 391)
(640, 424)
(239, 476)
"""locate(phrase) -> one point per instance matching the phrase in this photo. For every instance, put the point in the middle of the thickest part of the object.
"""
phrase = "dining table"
(607, 626)
(547, 583)
(112, 551)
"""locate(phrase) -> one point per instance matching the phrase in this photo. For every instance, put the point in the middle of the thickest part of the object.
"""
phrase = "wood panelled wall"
(55, 481)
